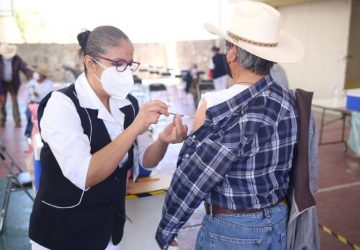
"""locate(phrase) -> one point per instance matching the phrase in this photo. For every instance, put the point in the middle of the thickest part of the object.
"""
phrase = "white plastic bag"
(354, 137)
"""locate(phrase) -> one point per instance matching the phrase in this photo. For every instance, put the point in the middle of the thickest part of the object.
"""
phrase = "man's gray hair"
(253, 63)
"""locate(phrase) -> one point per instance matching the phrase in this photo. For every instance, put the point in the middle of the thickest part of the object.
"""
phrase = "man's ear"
(232, 54)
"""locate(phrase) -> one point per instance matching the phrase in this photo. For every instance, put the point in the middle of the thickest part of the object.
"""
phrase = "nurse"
(93, 131)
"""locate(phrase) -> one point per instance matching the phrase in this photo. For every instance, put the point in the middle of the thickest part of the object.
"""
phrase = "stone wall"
(55, 56)
(199, 52)
(150, 54)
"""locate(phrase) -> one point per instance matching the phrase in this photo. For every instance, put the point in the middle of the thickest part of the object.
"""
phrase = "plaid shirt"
(239, 158)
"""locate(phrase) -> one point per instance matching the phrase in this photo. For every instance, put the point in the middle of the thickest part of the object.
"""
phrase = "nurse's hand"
(149, 114)
(175, 132)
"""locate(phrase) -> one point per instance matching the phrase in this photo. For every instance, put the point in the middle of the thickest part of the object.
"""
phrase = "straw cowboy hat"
(42, 70)
(8, 51)
(254, 27)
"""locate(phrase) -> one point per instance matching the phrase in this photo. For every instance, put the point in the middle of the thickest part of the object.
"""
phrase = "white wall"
(323, 28)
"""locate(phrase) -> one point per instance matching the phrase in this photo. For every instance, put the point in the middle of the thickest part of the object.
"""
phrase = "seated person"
(37, 89)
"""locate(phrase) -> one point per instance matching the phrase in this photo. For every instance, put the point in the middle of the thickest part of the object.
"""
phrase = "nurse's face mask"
(117, 80)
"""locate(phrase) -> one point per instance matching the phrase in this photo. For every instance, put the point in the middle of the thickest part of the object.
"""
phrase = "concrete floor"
(15, 235)
(338, 198)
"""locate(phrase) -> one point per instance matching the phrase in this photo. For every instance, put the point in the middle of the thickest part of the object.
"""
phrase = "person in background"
(93, 131)
(278, 73)
(194, 72)
(218, 69)
(188, 80)
(10, 66)
(192, 79)
(239, 154)
(40, 85)
(37, 89)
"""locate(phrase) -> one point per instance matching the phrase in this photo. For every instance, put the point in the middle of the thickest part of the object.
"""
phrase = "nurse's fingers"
(181, 130)
(153, 118)
(158, 102)
(157, 106)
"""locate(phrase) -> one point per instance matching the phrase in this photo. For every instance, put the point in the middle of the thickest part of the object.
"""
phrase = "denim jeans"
(259, 230)
(9, 88)
(29, 124)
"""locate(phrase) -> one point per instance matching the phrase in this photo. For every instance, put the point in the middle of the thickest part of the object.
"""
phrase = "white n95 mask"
(116, 84)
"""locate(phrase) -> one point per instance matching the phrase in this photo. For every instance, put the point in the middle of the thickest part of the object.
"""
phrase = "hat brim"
(288, 49)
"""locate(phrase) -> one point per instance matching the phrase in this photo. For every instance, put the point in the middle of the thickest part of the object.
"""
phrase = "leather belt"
(220, 210)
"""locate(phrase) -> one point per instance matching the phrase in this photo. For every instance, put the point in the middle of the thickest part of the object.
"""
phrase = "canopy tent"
(47, 21)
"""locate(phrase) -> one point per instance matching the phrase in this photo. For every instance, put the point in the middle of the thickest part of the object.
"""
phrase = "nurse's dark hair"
(99, 41)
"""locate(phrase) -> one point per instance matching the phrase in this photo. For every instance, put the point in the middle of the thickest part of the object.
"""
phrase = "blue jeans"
(260, 230)
(29, 124)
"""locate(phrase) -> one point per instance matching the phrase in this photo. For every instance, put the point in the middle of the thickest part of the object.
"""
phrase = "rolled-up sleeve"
(61, 129)
(193, 180)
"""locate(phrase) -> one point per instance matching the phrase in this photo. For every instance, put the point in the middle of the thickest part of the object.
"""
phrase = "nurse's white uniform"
(61, 129)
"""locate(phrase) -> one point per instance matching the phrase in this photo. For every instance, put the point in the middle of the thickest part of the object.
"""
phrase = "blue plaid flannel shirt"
(239, 158)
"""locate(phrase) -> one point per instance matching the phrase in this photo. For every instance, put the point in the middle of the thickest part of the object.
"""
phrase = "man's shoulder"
(17, 58)
(272, 102)
(280, 91)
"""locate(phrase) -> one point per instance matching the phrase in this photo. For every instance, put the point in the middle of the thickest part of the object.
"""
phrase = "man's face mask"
(226, 64)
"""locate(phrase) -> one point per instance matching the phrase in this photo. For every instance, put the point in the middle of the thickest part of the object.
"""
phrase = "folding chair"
(17, 180)
(157, 87)
(202, 87)
(205, 86)
(161, 89)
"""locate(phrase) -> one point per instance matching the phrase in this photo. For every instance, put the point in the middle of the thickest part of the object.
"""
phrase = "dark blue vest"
(64, 216)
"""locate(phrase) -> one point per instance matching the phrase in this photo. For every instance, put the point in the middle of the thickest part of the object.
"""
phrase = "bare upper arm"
(199, 116)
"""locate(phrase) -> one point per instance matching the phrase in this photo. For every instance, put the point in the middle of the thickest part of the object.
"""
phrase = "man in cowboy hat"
(10, 67)
(239, 154)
